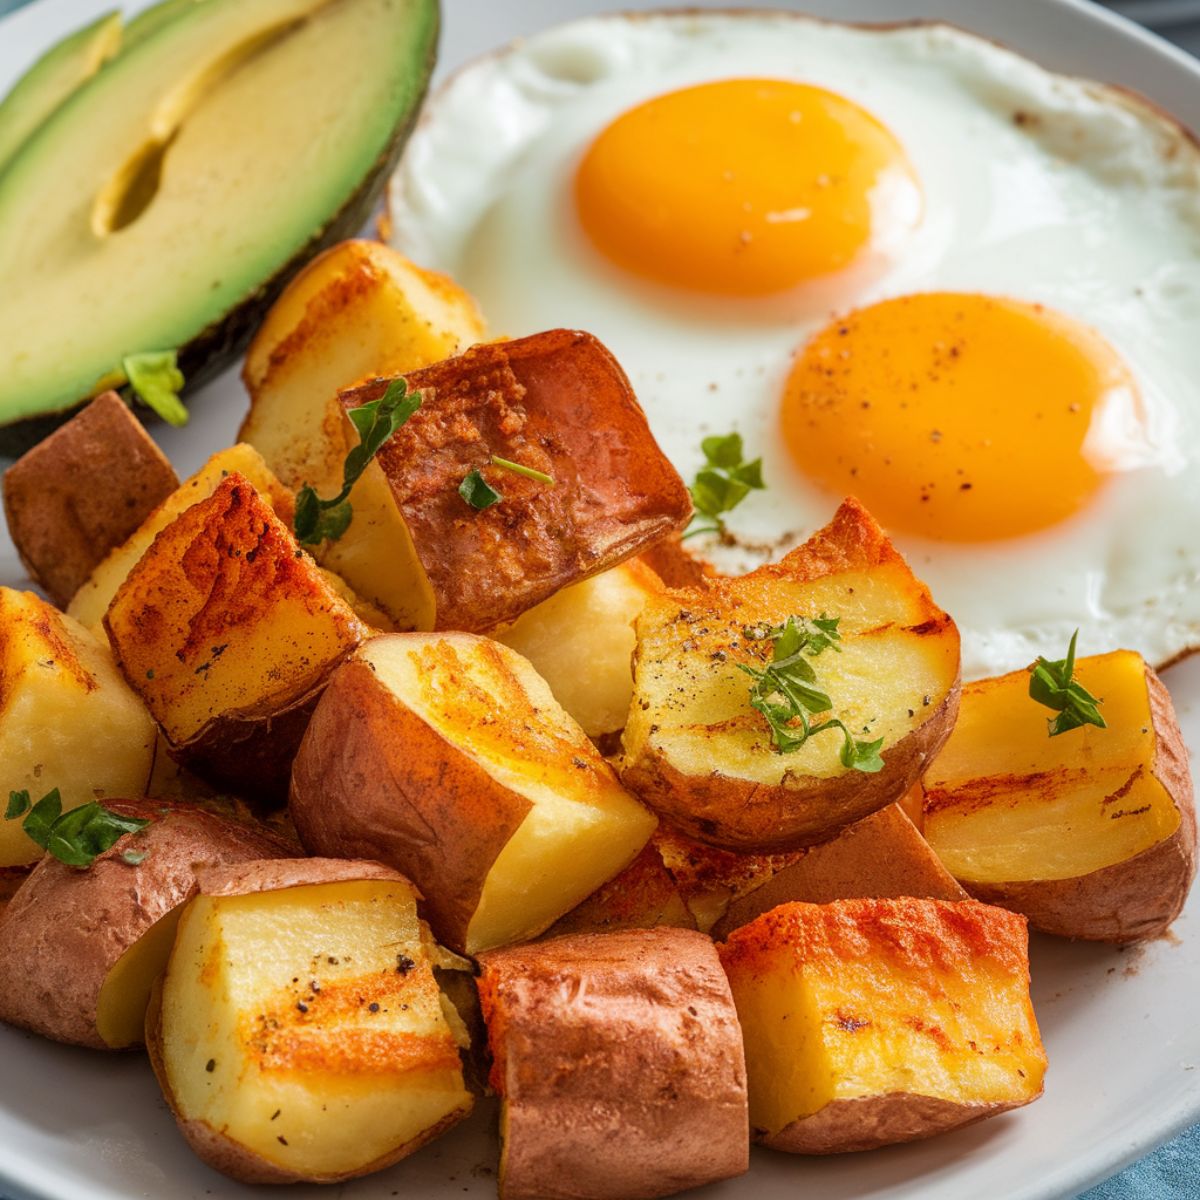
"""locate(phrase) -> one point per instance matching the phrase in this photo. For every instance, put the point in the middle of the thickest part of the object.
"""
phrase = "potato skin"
(558, 402)
(1128, 901)
(800, 811)
(844, 1126)
(619, 1058)
(373, 780)
(66, 928)
(82, 492)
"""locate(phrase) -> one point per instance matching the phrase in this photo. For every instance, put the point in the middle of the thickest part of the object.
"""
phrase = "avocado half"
(166, 202)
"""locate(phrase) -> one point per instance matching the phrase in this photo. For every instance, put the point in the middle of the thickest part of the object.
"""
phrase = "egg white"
(1036, 186)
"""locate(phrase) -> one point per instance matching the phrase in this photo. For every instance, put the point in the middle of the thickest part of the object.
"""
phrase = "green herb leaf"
(785, 691)
(519, 469)
(375, 422)
(156, 380)
(476, 491)
(75, 837)
(1052, 684)
(722, 484)
(18, 805)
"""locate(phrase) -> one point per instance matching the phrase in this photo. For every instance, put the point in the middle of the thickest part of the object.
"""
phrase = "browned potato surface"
(618, 1060)
(229, 632)
(299, 1033)
(447, 757)
(82, 948)
(868, 1022)
(556, 402)
(699, 753)
(81, 492)
(1090, 834)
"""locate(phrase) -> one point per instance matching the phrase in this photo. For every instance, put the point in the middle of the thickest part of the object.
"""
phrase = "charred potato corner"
(438, 742)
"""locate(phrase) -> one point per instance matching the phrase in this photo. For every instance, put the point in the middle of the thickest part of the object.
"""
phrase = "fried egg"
(904, 264)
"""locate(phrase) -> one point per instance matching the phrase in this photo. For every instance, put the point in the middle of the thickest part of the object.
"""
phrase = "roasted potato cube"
(299, 1033)
(868, 1022)
(80, 493)
(698, 752)
(1091, 834)
(880, 857)
(618, 1060)
(642, 896)
(358, 310)
(82, 949)
(581, 641)
(91, 602)
(446, 756)
(68, 720)
(557, 403)
(228, 632)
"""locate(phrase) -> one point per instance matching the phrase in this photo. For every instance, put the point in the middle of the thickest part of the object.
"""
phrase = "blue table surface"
(1172, 1172)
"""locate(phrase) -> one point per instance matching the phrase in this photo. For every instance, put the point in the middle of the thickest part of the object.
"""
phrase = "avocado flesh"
(53, 78)
(279, 119)
(151, 19)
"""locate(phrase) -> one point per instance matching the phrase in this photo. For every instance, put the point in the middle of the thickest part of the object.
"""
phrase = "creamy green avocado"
(53, 78)
(166, 201)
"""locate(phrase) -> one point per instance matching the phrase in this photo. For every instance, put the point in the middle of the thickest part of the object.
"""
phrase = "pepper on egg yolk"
(744, 187)
(960, 417)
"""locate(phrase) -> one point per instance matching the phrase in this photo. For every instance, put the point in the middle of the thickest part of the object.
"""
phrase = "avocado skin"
(213, 349)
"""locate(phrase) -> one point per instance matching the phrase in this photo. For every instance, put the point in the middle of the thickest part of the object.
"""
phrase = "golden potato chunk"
(581, 642)
(229, 632)
(91, 601)
(618, 1060)
(80, 493)
(868, 1022)
(358, 310)
(68, 720)
(446, 756)
(556, 403)
(1090, 834)
(698, 751)
(83, 948)
(299, 1033)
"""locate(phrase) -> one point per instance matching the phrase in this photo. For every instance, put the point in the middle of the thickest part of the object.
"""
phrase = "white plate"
(1120, 1027)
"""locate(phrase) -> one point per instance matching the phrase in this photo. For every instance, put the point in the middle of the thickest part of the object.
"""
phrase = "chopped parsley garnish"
(1053, 685)
(477, 492)
(722, 484)
(320, 520)
(519, 469)
(155, 379)
(785, 690)
(75, 837)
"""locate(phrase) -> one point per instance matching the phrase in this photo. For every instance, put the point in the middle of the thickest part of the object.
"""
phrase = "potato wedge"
(83, 948)
(703, 757)
(80, 493)
(868, 1022)
(618, 1060)
(642, 896)
(228, 632)
(68, 720)
(1091, 834)
(446, 756)
(91, 602)
(556, 402)
(581, 642)
(358, 310)
(298, 1033)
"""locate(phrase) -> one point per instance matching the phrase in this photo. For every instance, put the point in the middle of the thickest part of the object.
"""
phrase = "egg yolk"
(959, 417)
(743, 187)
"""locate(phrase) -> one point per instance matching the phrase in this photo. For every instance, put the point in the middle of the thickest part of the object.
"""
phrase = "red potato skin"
(373, 780)
(619, 1060)
(557, 402)
(66, 928)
